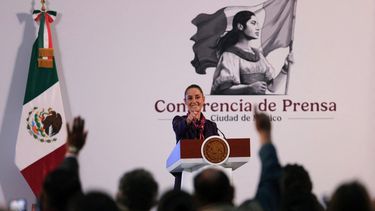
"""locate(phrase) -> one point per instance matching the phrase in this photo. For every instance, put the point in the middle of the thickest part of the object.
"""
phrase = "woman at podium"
(193, 125)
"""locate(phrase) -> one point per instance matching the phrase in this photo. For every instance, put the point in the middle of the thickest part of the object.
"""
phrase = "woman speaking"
(193, 125)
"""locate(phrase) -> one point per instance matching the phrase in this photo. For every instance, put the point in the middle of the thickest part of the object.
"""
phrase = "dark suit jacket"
(185, 131)
(70, 164)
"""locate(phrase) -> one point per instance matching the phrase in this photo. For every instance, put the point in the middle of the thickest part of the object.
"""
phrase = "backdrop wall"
(121, 62)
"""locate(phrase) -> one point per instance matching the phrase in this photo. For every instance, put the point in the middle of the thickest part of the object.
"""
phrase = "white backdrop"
(116, 59)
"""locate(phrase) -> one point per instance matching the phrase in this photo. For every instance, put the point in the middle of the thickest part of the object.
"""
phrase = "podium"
(190, 156)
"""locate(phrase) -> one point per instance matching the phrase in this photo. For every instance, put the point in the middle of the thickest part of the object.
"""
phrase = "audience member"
(213, 190)
(285, 189)
(93, 201)
(297, 190)
(74, 143)
(63, 184)
(137, 191)
(350, 196)
(59, 187)
(268, 195)
(176, 200)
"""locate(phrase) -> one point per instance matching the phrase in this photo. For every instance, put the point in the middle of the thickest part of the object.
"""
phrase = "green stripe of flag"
(41, 31)
(39, 79)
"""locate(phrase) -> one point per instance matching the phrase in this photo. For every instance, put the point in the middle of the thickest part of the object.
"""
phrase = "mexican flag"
(276, 20)
(41, 137)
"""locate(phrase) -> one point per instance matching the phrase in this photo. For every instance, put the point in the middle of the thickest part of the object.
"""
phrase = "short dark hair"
(94, 201)
(213, 186)
(193, 86)
(176, 200)
(297, 190)
(350, 196)
(59, 187)
(138, 190)
(296, 178)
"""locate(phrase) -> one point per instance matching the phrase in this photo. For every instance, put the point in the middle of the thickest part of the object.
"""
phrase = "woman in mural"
(242, 69)
(193, 125)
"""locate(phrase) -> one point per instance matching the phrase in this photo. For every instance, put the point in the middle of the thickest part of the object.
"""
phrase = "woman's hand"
(193, 114)
(258, 87)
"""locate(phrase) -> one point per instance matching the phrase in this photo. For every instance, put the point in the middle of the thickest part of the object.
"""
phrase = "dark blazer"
(185, 131)
(70, 164)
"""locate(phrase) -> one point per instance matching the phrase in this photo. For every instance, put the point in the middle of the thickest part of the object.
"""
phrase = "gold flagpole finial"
(43, 5)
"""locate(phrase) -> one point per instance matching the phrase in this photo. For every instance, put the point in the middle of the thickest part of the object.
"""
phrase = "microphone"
(222, 133)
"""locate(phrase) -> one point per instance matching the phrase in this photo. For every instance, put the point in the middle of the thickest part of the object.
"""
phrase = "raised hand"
(263, 126)
(193, 115)
(76, 135)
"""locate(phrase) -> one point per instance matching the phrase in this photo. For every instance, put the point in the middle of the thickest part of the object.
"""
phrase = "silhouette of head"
(350, 196)
(137, 190)
(59, 187)
(213, 186)
(94, 201)
(176, 200)
(297, 190)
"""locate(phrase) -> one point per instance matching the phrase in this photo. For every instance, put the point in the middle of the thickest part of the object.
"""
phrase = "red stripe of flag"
(36, 172)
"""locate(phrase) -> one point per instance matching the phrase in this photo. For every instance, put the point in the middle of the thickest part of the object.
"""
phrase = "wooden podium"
(189, 157)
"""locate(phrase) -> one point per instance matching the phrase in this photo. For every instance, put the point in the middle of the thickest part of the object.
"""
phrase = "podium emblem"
(215, 150)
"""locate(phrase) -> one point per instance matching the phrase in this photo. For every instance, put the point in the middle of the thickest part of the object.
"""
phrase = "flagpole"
(43, 2)
(291, 46)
